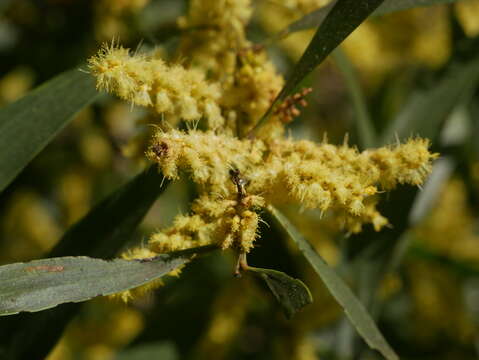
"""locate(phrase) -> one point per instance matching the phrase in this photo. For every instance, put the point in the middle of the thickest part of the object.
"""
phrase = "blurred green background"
(427, 304)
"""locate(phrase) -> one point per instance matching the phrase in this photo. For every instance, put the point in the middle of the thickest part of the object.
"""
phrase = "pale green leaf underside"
(29, 124)
(291, 293)
(353, 308)
(42, 284)
(316, 17)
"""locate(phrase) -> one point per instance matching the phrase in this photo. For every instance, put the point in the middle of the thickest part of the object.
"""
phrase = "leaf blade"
(339, 22)
(353, 308)
(29, 124)
(316, 17)
(43, 284)
(291, 293)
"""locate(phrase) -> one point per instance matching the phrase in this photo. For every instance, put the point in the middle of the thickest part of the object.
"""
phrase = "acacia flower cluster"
(219, 31)
(230, 82)
(318, 176)
(148, 81)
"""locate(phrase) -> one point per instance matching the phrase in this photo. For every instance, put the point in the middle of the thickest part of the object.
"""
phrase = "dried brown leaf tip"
(289, 108)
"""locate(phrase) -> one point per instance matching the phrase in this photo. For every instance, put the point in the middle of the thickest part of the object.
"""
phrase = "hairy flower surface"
(224, 222)
(206, 156)
(229, 81)
(216, 41)
(148, 81)
(321, 176)
(217, 33)
(255, 84)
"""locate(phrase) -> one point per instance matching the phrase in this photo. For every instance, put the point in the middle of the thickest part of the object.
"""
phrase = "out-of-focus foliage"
(423, 306)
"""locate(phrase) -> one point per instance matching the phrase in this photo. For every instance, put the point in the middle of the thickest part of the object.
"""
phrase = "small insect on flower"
(160, 149)
(239, 181)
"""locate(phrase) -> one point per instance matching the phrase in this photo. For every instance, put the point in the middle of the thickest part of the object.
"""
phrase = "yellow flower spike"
(221, 32)
(322, 176)
(239, 177)
(146, 80)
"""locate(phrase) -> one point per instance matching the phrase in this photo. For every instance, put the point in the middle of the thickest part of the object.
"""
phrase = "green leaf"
(316, 17)
(101, 233)
(29, 124)
(342, 19)
(291, 293)
(42, 284)
(353, 308)
(427, 110)
(365, 128)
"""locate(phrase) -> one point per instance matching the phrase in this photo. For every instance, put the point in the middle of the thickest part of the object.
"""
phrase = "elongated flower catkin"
(321, 176)
(148, 81)
(315, 175)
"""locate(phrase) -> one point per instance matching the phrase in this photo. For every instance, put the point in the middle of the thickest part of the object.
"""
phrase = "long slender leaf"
(316, 17)
(291, 293)
(341, 20)
(101, 233)
(353, 308)
(427, 110)
(30, 123)
(364, 125)
(42, 284)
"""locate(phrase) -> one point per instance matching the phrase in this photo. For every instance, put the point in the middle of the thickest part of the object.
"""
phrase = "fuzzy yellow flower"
(146, 80)
(321, 176)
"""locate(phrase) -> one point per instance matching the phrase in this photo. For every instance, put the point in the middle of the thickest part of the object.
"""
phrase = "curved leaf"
(344, 16)
(316, 17)
(291, 293)
(42, 284)
(29, 124)
(353, 308)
